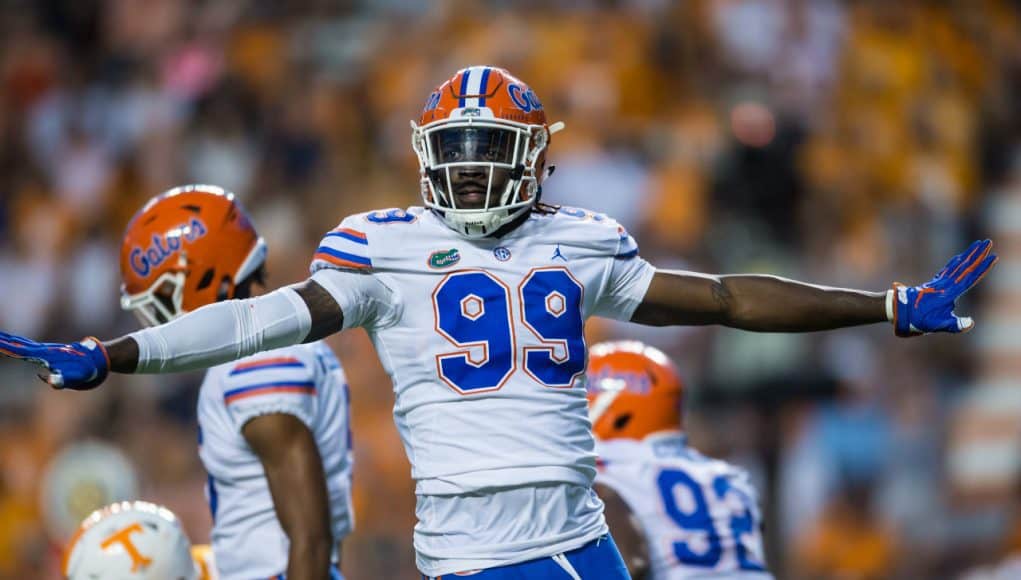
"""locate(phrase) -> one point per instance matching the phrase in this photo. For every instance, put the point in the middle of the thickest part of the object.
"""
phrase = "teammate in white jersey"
(476, 304)
(697, 517)
(273, 427)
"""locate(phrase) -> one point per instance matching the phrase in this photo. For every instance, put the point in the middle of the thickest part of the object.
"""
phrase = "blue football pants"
(596, 560)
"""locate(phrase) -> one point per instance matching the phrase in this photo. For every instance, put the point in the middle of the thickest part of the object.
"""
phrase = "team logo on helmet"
(165, 246)
(432, 102)
(611, 380)
(524, 98)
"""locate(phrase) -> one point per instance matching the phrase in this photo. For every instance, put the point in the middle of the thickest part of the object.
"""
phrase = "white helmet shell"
(134, 540)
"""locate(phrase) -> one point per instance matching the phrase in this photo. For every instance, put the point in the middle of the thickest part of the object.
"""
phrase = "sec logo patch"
(501, 253)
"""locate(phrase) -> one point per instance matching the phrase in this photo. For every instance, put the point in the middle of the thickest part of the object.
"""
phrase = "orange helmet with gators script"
(485, 118)
(188, 247)
(633, 389)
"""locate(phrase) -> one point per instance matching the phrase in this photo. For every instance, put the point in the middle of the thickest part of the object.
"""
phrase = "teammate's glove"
(930, 307)
(79, 366)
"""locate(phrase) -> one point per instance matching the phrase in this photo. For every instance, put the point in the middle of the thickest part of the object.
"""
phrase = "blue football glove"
(79, 366)
(930, 307)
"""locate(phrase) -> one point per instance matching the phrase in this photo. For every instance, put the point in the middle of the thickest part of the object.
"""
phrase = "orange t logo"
(124, 537)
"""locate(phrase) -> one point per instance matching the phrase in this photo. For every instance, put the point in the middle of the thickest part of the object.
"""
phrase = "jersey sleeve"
(628, 280)
(342, 265)
(270, 383)
(345, 247)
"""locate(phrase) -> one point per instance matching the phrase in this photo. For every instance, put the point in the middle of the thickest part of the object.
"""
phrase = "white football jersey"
(305, 381)
(483, 342)
(700, 515)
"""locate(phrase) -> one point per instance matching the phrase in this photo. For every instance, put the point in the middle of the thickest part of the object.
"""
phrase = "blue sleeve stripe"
(348, 235)
(627, 255)
(294, 387)
(344, 256)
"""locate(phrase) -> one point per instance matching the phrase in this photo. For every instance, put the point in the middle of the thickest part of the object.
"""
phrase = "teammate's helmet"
(188, 247)
(633, 390)
(486, 119)
(130, 541)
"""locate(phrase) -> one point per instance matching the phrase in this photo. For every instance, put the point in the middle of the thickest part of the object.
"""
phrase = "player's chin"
(470, 200)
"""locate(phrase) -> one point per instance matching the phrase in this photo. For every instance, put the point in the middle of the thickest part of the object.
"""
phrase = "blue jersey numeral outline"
(466, 316)
(550, 300)
(700, 520)
(472, 309)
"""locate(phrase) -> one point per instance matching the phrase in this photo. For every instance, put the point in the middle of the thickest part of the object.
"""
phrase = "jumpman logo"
(557, 254)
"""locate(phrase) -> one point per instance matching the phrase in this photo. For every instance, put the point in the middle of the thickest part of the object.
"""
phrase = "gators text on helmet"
(187, 247)
(634, 390)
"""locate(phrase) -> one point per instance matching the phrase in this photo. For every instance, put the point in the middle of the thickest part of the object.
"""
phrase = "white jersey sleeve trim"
(223, 332)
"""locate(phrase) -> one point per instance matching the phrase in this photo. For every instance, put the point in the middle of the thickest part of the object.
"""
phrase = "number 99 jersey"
(483, 340)
(700, 515)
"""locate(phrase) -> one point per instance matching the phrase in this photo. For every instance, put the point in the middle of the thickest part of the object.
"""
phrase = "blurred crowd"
(846, 143)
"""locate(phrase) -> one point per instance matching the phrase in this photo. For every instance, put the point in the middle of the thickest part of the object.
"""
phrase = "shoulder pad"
(345, 247)
(599, 229)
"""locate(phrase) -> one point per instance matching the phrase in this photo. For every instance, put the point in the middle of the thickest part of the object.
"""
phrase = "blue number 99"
(473, 311)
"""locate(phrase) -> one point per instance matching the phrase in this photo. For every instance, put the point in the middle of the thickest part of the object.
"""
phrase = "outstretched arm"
(751, 302)
(325, 317)
(211, 335)
(773, 304)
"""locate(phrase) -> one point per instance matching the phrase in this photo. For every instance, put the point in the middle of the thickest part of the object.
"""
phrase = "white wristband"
(889, 305)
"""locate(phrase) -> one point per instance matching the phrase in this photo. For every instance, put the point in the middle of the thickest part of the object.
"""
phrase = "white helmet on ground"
(134, 540)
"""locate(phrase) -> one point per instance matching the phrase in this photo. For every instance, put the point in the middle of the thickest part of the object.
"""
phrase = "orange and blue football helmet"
(634, 390)
(483, 118)
(187, 247)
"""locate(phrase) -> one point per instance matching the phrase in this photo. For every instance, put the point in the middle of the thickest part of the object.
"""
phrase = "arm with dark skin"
(327, 319)
(749, 302)
(754, 302)
(294, 470)
(629, 539)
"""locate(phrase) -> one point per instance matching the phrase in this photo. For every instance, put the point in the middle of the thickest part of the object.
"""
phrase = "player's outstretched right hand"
(80, 366)
(930, 307)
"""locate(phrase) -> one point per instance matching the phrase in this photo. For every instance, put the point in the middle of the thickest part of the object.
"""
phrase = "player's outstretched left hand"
(80, 366)
(930, 307)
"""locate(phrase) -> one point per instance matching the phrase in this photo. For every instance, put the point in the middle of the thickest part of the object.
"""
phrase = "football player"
(476, 303)
(675, 512)
(134, 540)
(273, 427)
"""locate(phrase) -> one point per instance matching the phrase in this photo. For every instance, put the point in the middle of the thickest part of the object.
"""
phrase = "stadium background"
(838, 142)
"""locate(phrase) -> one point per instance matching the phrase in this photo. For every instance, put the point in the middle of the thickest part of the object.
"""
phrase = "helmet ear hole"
(622, 421)
(206, 280)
